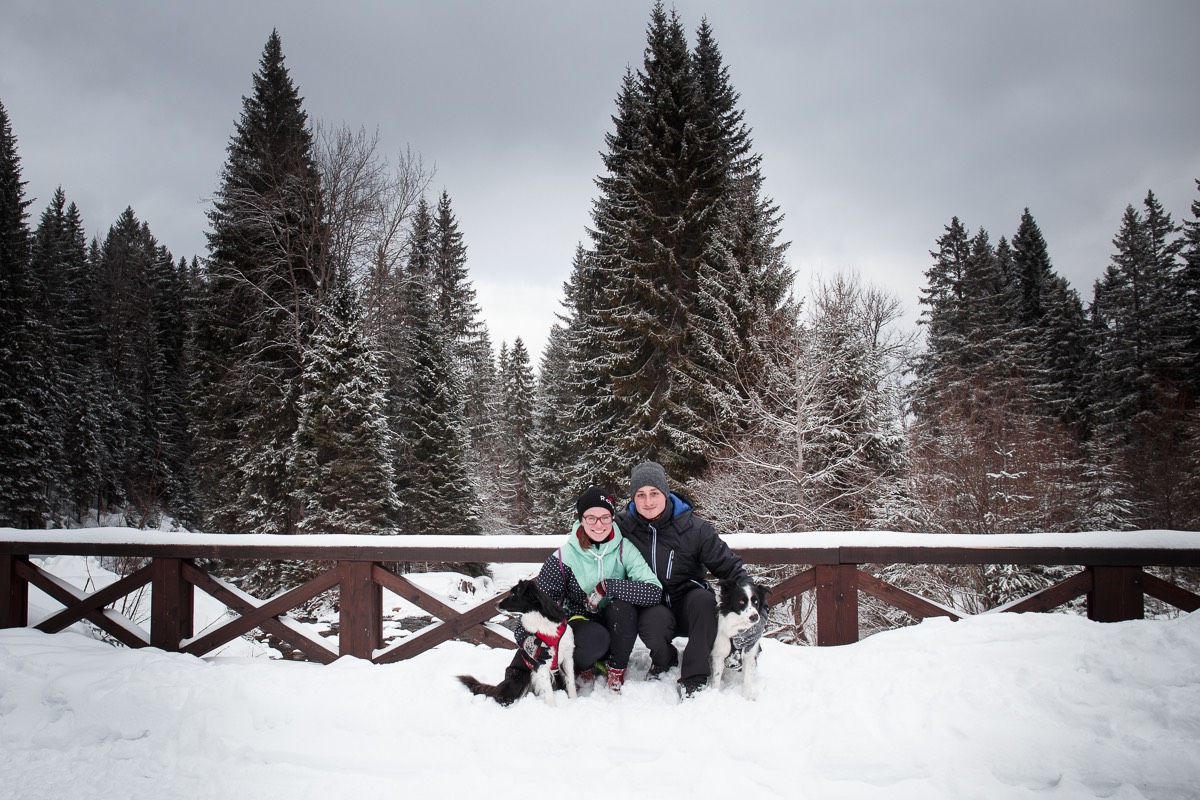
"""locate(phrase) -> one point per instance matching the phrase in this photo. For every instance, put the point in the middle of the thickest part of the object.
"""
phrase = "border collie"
(741, 619)
(541, 617)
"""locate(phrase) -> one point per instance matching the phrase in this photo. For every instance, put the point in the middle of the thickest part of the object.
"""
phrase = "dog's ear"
(764, 598)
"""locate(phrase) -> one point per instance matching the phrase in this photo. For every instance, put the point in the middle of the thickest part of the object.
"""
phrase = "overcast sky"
(877, 120)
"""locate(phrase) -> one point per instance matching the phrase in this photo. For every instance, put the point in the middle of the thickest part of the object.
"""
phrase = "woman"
(601, 582)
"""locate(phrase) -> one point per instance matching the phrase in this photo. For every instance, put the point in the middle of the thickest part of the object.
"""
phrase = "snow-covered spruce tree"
(987, 452)
(1190, 291)
(577, 445)
(1139, 403)
(60, 259)
(139, 302)
(553, 439)
(984, 435)
(266, 273)
(27, 393)
(944, 317)
(669, 227)
(433, 481)
(742, 276)
(516, 421)
(470, 347)
(1049, 323)
(342, 449)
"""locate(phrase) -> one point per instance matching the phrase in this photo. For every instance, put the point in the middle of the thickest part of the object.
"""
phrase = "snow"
(995, 706)
(818, 539)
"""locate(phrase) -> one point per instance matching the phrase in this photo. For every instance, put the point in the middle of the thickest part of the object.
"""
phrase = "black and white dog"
(741, 619)
(543, 618)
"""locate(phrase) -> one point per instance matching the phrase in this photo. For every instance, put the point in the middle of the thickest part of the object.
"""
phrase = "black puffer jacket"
(682, 550)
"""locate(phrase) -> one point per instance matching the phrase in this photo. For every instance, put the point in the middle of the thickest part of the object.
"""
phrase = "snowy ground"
(1005, 706)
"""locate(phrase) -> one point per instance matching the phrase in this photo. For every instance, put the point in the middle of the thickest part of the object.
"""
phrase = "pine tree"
(60, 258)
(1190, 291)
(27, 394)
(684, 256)
(945, 317)
(518, 402)
(433, 481)
(1050, 324)
(342, 450)
(553, 439)
(139, 302)
(471, 350)
(265, 279)
(1140, 402)
(583, 410)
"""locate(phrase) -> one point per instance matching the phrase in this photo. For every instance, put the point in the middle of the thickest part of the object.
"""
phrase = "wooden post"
(1116, 594)
(14, 593)
(172, 605)
(837, 604)
(361, 611)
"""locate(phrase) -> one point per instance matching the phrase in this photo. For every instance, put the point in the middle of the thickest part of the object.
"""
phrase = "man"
(681, 548)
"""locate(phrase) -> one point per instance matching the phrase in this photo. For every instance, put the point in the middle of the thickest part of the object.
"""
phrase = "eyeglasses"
(604, 520)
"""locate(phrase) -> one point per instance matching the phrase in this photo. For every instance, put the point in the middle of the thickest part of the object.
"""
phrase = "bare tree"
(824, 419)
(369, 202)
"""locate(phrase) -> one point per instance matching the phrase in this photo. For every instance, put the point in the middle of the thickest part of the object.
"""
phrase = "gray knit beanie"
(648, 473)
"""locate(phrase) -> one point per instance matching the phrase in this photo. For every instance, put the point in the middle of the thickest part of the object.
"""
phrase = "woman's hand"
(596, 598)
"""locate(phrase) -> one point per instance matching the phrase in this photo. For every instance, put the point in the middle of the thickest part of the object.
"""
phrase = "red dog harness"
(552, 642)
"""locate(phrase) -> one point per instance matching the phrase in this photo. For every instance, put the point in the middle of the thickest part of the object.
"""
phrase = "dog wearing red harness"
(543, 618)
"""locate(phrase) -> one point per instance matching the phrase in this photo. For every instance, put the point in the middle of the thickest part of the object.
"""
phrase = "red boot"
(616, 679)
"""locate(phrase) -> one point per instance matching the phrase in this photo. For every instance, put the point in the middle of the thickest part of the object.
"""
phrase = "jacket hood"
(599, 562)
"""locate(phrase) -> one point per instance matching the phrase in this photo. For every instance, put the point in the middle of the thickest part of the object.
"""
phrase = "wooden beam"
(797, 584)
(96, 601)
(837, 604)
(1051, 597)
(14, 592)
(172, 605)
(123, 630)
(1116, 594)
(441, 632)
(360, 610)
(260, 616)
(913, 604)
(414, 594)
(1168, 592)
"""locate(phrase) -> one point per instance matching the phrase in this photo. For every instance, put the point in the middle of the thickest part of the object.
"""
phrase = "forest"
(324, 366)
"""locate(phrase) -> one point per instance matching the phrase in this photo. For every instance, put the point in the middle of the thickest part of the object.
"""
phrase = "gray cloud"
(877, 120)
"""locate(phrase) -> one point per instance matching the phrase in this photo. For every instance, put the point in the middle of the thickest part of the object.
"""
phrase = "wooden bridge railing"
(1112, 577)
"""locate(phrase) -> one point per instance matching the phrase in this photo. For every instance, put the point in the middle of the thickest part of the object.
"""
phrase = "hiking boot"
(689, 690)
(616, 679)
(657, 672)
(586, 678)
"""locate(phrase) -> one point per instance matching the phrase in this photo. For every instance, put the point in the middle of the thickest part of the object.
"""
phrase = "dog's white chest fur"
(563, 656)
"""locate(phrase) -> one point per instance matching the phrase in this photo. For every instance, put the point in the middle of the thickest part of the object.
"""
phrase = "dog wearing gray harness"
(741, 620)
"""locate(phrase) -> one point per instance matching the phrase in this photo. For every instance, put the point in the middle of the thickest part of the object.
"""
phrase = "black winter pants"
(695, 616)
(614, 638)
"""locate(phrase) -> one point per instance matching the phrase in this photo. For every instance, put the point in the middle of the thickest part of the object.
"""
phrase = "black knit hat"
(594, 497)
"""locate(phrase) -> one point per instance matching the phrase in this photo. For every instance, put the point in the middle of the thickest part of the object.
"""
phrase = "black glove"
(534, 651)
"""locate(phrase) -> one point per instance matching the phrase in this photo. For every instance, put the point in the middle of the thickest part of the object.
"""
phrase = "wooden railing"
(1112, 577)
